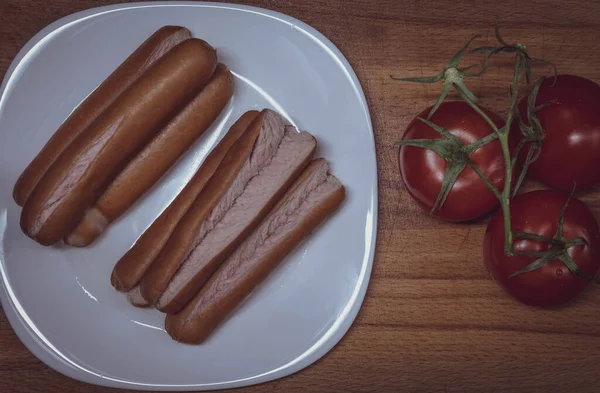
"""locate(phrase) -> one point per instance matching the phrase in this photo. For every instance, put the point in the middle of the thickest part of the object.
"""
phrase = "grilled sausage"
(156, 158)
(87, 166)
(128, 72)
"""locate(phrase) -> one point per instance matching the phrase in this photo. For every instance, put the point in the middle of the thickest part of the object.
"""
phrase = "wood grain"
(432, 320)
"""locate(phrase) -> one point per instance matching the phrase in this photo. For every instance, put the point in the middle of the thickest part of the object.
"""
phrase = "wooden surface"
(432, 319)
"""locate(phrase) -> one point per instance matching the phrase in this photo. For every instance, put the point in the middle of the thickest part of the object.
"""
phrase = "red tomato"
(571, 149)
(423, 170)
(538, 212)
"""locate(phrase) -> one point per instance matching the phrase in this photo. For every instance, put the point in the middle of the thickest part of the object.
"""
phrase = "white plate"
(59, 300)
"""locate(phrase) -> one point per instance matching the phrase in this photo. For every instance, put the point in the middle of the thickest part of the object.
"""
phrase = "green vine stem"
(522, 66)
(503, 138)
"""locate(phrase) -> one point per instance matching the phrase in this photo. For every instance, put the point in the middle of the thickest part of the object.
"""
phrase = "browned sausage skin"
(133, 265)
(313, 197)
(96, 156)
(156, 158)
(128, 72)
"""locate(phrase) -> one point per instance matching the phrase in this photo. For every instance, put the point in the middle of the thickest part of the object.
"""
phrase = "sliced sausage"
(133, 265)
(313, 197)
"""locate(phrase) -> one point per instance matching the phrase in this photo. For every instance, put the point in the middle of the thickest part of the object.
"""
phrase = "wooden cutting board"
(433, 320)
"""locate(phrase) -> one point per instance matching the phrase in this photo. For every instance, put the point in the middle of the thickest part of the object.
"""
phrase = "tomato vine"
(457, 154)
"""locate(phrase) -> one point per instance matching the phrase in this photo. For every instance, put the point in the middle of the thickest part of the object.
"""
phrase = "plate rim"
(41, 348)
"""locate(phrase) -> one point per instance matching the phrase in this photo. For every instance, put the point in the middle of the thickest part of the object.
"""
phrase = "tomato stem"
(479, 112)
(486, 181)
(505, 200)
(503, 137)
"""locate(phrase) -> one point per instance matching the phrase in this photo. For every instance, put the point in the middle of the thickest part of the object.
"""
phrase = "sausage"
(177, 247)
(86, 167)
(129, 71)
(256, 199)
(135, 298)
(132, 266)
(258, 186)
(313, 197)
(156, 158)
